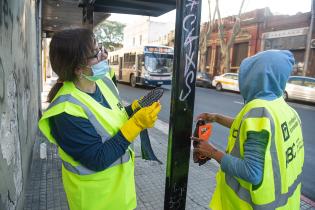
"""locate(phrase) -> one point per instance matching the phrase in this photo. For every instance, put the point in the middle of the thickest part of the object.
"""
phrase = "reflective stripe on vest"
(98, 127)
(243, 193)
(81, 170)
(109, 83)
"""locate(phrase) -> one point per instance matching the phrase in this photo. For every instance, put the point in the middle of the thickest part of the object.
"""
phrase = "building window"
(140, 39)
(240, 51)
(282, 43)
(129, 60)
(134, 41)
(114, 60)
(298, 67)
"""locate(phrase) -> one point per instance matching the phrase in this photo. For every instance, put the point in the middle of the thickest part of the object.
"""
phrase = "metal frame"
(183, 95)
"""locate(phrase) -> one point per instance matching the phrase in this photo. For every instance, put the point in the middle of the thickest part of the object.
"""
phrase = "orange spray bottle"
(202, 131)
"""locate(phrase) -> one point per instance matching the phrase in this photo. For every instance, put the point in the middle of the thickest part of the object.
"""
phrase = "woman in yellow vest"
(91, 128)
(262, 166)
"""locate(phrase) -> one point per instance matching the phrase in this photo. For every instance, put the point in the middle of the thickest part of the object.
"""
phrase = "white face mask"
(99, 70)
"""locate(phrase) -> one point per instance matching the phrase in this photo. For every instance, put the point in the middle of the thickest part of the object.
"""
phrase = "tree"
(226, 42)
(205, 32)
(110, 34)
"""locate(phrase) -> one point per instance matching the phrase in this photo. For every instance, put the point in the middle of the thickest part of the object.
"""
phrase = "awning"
(59, 14)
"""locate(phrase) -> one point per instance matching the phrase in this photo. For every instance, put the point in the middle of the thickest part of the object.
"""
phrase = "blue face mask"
(99, 70)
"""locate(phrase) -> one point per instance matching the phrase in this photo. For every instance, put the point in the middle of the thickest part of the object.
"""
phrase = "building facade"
(247, 42)
(285, 32)
(145, 32)
(260, 30)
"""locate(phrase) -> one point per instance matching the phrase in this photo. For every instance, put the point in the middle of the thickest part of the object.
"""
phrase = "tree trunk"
(227, 61)
(204, 60)
(222, 64)
(203, 54)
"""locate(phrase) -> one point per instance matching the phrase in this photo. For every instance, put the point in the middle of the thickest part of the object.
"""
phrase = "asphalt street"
(230, 103)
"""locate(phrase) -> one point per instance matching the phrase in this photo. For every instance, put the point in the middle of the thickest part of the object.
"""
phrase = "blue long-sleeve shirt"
(78, 138)
(251, 167)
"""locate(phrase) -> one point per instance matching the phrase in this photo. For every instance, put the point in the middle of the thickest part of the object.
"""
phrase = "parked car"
(227, 81)
(300, 88)
(203, 80)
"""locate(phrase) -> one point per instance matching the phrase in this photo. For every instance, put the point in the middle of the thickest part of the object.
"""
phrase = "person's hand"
(203, 149)
(144, 118)
(196, 156)
(209, 117)
(199, 159)
(104, 53)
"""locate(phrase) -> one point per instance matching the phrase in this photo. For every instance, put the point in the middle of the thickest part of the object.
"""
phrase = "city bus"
(149, 65)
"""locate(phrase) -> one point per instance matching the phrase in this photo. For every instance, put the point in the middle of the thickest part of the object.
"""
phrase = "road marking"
(308, 201)
(238, 102)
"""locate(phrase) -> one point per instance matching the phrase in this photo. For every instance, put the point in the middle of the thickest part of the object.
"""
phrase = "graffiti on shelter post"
(177, 198)
(190, 48)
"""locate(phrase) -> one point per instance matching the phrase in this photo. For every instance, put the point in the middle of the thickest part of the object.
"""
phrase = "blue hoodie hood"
(265, 74)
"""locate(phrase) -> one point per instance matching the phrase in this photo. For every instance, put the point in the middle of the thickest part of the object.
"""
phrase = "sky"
(229, 7)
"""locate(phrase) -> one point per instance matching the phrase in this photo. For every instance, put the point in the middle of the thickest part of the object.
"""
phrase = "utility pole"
(310, 52)
(182, 102)
(88, 13)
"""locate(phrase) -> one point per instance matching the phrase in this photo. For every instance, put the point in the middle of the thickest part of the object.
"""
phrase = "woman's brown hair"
(68, 50)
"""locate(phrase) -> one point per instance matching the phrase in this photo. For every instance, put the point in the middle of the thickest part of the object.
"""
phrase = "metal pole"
(87, 14)
(310, 36)
(182, 102)
(308, 42)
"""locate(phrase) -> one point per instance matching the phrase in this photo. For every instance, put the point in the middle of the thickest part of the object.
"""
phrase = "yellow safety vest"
(281, 184)
(112, 188)
(111, 73)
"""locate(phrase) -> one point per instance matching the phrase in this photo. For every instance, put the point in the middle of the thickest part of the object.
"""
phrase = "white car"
(300, 88)
(227, 81)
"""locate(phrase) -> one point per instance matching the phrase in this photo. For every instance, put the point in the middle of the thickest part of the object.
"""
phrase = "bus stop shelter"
(57, 15)
(24, 26)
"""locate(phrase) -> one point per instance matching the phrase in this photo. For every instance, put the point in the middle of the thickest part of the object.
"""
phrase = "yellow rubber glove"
(144, 118)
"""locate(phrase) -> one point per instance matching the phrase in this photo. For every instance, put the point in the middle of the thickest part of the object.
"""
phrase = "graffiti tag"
(189, 48)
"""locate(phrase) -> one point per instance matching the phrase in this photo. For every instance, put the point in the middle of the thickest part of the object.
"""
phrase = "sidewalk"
(45, 190)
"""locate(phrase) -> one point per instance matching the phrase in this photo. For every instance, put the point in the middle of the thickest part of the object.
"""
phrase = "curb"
(308, 201)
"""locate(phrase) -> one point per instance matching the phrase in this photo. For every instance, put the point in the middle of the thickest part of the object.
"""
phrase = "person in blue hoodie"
(262, 165)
